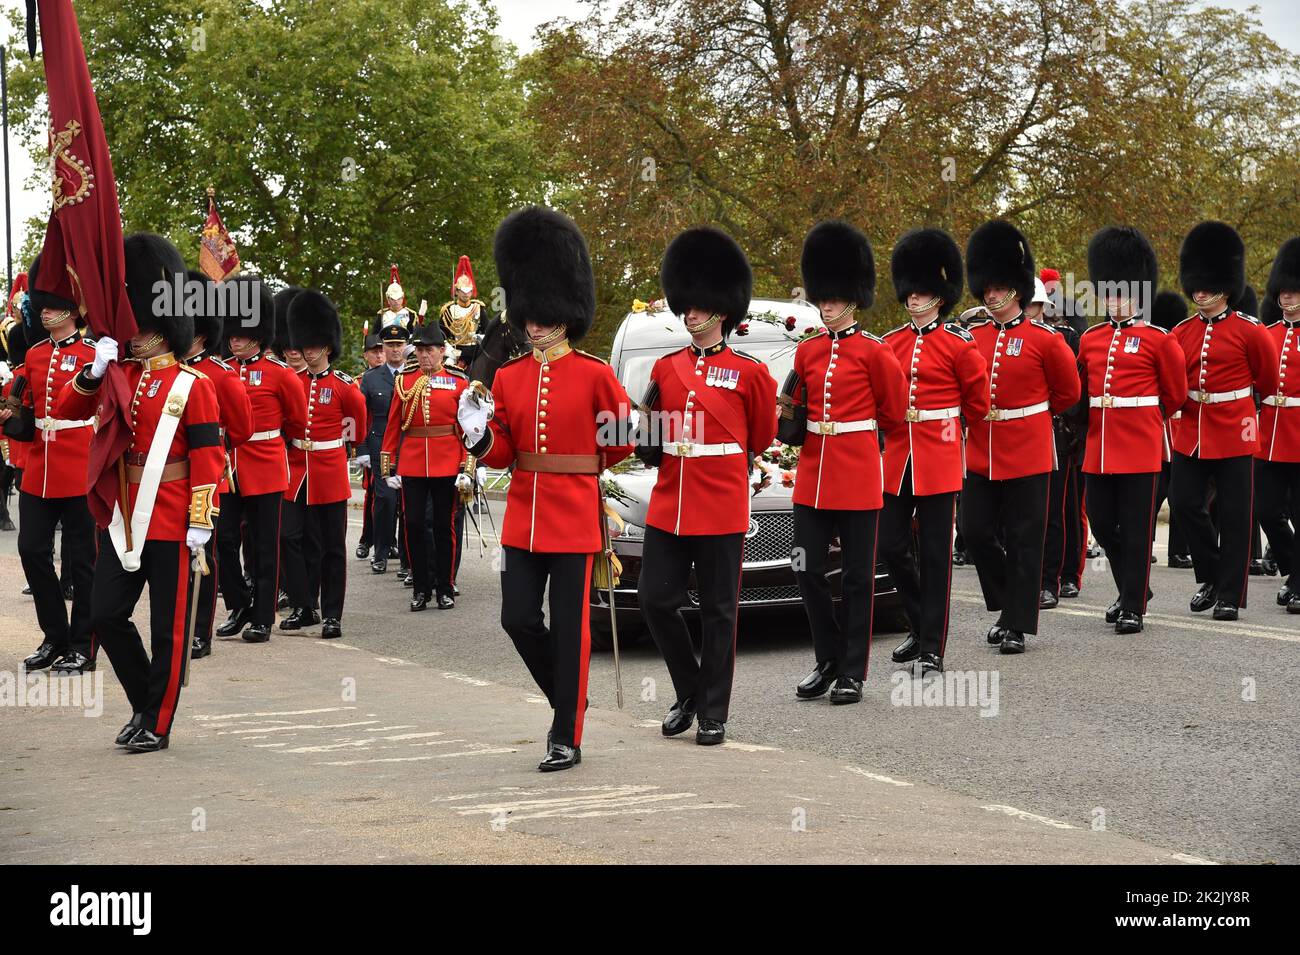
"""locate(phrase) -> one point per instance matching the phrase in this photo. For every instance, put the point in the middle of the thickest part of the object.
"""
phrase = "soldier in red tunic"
(173, 467)
(714, 410)
(336, 418)
(1228, 356)
(1032, 375)
(422, 456)
(259, 467)
(1132, 373)
(560, 417)
(54, 481)
(1279, 451)
(925, 460)
(234, 413)
(845, 388)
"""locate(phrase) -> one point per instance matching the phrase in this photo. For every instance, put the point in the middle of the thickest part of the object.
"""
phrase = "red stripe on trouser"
(584, 660)
(180, 622)
(1047, 507)
(947, 600)
(1250, 537)
(455, 541)
(1083, 525)
(1065, 535)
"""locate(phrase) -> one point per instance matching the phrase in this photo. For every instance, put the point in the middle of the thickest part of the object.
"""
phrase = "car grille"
(756, 594)
(774, 540)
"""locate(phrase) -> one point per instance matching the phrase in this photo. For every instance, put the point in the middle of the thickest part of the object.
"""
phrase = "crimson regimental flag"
(218, 257)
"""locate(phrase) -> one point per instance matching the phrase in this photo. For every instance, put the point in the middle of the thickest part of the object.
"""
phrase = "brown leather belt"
(430, 431)
(558, 463)
(173, 470)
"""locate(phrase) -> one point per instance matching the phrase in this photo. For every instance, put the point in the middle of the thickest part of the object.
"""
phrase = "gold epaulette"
(590, 355)
(192, 370)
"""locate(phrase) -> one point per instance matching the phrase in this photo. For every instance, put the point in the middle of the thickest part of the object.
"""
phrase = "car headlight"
(632, 532)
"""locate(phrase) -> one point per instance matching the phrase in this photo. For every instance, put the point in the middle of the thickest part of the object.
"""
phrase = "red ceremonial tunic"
(1029, 364)
(847, 377)
(185, 500)
(278, 406)
(15, 450)
(233, 409)
(709, 396)
(1118, 362)
(435, 406)
(1222, 355)
(560, 402)
(947, 379)
(1279, 416)
(336, 417)
(58, 460)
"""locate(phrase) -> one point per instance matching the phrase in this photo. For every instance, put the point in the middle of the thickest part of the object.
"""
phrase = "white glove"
(363, 460)
(464, 482)
(197, 537)
(473, 413)
(6, 373)
(105, 351)
(394, 482)
(480, 475)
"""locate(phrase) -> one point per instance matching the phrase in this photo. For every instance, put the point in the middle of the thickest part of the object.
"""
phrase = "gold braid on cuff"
(202, 509)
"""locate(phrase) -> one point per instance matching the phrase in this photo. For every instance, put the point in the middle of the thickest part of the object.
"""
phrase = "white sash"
(154, 463)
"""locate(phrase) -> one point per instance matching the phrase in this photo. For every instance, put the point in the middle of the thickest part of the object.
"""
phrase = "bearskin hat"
(38, 300)
(837, 264)
(206, 318)
(927, 262)
(314, 323)
(15, 344)
(545, 270)
(1168, 309)
(998, 254)
(1285, 275)
(151, 259)
(280, 307)
(1213, 259)
(1120, 258)
(250, 310)
(705, 268)
(1248, 304)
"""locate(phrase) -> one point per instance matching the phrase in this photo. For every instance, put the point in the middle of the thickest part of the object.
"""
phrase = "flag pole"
(4, 106)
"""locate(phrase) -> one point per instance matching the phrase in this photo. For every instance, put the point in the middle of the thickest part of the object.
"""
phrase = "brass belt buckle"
(995, 414)
(1107, 401)
(913, 414)
(683, 449)
(826, 427)
(47, 424)
(306, 444)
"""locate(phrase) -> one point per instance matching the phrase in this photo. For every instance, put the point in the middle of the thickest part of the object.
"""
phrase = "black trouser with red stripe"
(152, 682)
(1062, 541)
(324, 543)
(37, 518)
(1120, 510)
(842, 637)
(261, 514)
(557, 656)
(367, 505)
(293, 561)
(1219, 557)
(440, 495)
(1003, 523)
(666, 563)
(921, 572)
(1177, 540)
(1279, 515)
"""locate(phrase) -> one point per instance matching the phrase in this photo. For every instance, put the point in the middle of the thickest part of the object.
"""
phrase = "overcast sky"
(519, 20)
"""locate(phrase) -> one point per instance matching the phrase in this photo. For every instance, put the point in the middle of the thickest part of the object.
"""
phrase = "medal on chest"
(1131, 345)
(153, 388)
(1014, 346)
(255, 378)
(722, 378)
(443, 382)
(68, 363)
(326, 396)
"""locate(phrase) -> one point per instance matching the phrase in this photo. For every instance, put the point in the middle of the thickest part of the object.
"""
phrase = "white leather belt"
(1218, 397)
(841, 427)
(689, 449)
(1115, 401)
(931, 414)
(1282, 401)
(265, 435)
(1010, 414)
(307, 445)
(61, 424)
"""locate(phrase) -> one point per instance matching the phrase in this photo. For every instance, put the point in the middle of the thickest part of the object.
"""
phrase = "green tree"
(340, 137)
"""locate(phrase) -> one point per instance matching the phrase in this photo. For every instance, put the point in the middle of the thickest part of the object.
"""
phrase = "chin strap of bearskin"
(792, 425)
(649, 443)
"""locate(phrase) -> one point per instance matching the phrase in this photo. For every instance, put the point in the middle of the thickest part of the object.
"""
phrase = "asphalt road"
(1149, 736)
(1180, 744)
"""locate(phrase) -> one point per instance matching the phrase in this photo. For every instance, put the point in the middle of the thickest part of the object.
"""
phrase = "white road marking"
(1031, 817)
(590, 802)
(384, 729)
(238, 716)
(748, 747)
(297, 726)
(535, 699)
(395, 661)
(402, 736)
(417, 759)
(465, 678)
(1191, 860)
(876, 776)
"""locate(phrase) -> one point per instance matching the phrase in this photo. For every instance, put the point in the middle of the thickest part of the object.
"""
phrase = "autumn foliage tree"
(764, 116)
